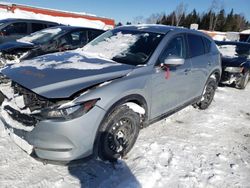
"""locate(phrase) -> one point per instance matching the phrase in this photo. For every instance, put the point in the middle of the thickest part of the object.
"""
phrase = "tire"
(242, 83)
(208, 94)
(118, 133)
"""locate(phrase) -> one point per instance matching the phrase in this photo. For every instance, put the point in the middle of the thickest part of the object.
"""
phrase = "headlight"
(234, 69)
(69, 112)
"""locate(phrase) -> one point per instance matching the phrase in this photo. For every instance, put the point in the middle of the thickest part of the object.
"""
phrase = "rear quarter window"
(196, 45)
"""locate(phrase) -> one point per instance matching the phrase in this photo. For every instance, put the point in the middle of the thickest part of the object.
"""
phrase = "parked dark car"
(46, 41)
(235, 63)
(12, 29)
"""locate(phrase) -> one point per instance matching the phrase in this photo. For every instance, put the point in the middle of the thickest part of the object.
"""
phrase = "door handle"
(209, 63)
(186, 71)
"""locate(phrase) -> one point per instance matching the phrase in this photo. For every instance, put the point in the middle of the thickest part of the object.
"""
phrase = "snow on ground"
(192, 148)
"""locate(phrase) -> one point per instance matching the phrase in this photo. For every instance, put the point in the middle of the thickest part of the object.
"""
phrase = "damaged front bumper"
(61, 140)
(230, 78)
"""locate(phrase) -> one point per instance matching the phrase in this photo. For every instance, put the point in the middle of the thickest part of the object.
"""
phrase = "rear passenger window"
(176, 47)
(16, 29)
(196, 46)
(207, 45)
(37, 27)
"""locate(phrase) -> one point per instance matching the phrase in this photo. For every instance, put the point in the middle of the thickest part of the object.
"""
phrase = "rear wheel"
(119, 133)
(208, 94)
(242, 83)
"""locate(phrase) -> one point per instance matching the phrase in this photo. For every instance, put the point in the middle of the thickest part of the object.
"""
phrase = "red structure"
(56, 13)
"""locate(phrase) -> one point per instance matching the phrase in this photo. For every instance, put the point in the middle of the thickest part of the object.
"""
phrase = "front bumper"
(54, 139)
(230, 78)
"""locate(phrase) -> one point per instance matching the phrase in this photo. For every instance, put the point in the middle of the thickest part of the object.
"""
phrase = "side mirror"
(173, 60)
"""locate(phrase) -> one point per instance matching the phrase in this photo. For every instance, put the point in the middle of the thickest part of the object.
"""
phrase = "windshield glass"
(123, 46)
(234, 50)
(42, 36)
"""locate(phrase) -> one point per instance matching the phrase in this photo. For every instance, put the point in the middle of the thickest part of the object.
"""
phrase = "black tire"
(118, 133)
(242, 83)
(208, 94)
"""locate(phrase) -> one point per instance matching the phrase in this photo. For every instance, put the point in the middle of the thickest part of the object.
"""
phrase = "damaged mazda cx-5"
(94, 100)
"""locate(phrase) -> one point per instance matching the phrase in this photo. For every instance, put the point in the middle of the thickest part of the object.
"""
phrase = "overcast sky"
(123, 11)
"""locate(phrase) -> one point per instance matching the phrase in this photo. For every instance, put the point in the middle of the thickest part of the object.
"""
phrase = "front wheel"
(242, 83)
(208, 94)
(119, 133)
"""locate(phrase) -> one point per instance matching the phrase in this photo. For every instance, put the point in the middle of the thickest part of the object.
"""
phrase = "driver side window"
(175, 48)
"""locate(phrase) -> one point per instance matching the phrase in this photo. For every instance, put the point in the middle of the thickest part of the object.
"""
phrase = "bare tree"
(213, 10)
(154, 18)
(139, 20)
(179, 12)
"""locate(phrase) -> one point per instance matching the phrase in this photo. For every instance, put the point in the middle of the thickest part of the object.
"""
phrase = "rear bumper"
(58, 140)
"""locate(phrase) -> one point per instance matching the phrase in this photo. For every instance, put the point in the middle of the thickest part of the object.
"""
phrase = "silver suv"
(94, 100)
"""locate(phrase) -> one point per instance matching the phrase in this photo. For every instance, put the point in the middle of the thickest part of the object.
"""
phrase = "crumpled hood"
(60, 75)
(233, 62)
(9, 46)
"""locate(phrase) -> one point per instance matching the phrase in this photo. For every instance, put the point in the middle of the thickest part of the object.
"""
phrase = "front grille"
(20, 117)
(31, 100)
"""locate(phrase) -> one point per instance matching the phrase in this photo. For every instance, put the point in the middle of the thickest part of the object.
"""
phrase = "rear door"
(200, 63)
(171, 89)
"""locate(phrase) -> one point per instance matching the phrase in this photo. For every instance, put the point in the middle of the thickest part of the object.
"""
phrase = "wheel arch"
(217, 74)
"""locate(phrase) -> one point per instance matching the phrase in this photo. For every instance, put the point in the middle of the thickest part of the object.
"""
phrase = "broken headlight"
(67, 112)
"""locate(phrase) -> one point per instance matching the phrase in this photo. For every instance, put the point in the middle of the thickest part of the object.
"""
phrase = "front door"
(170, 88)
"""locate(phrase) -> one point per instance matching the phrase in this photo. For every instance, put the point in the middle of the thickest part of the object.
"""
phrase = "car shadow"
(96, 173)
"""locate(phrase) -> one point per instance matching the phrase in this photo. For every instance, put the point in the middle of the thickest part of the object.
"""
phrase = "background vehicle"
(235, 63)
(59, 38)
(12, 29)
(95, 99)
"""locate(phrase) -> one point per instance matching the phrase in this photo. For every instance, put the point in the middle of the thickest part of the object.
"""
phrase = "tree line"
(208, 21)
(215, 19)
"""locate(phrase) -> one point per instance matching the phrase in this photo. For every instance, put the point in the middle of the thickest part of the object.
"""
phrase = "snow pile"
(135, 107)
(62, 20)
(116, 45)
(44, 34)
(219, 37)
(67, 60)
(228, 50)
(105, 50)
(245, 32)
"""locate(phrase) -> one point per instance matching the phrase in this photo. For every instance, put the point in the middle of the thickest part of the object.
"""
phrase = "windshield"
(42, 36)
(123, 46)
(234, 50)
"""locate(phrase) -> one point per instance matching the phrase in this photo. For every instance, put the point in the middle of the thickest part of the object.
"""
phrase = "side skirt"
(171, 112)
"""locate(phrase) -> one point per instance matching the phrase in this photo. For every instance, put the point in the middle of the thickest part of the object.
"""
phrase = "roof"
(68, 28)
(158, 28)
(22, 19)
